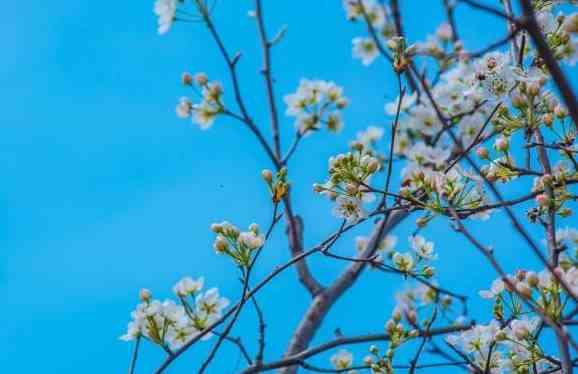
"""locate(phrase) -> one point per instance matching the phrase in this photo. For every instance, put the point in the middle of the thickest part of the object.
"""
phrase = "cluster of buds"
(171, 325)
(348, 184)
(553, 194)
(402, 54)
(238, 245)
(417, 262)
(542, 289)
(278, 184)
(502, 169)
(349, 175)
(211, 104)
(383, 362)
(315, 103)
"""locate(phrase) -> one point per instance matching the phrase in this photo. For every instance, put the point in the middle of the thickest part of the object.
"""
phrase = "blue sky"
(105, 191)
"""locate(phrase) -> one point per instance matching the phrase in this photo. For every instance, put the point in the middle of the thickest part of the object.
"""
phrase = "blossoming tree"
(481, 120)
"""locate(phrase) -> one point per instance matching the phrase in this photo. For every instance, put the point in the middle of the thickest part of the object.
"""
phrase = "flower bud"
(482, 153)
(373, 165)
(428, 271)
(187, 79)
(254, 227)
(524, 290)
(543, 200)
(502, 144)
(560, 111)
(368, 360)
(145, 295)
(517, 100)
(373, 349)
(411, 316)
(216, 228)
(571, 23)
(548, 119)
(201, 79)
(267, 175)
(534, 89)
(532, 279)
(220, 245)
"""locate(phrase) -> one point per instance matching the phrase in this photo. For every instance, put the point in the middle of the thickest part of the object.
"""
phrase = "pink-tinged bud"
(145, 295)
(524, 290)
(482, 153)
(317, 187)
(373, 166)
(543, 200)
(532, 279)
(534, 89)
(267, 175)
(517, 100)
(548, 119)
(411, 316)
(502, 144)
(444, 32)
(201, 79)
(187, 79)
(560, 111)
(571, 23)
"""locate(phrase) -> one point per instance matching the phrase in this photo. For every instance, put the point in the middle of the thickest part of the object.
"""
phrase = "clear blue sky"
(105, 191)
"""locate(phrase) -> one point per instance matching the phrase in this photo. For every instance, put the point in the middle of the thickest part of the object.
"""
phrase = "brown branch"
(531, 25)
(323, 302)
(296, 359)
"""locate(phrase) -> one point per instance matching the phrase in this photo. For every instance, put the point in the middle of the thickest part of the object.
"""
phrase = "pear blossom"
(495, 290)
(343, 359)
(165, 10)
(365, 50)
(188, 286)
(422, 247)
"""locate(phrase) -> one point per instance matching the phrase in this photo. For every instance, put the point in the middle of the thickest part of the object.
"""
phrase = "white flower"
(184, 107)
(522, 328)
(421, 153)
(343, 359)
(406, 102)
(365, 49)
(210, 305)
(165, 10)
(496, 289)
(349, 208)
(187, 286)
(444, 32)
(546, 21)
(422, 247)
(205, 115)
(250, 240)
(495, 75)
(403, 261)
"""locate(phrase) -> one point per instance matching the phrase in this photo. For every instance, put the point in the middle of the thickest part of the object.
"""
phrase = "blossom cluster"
(204, 112)
(316, 103)
(238, 245)
(171, 325)
(349, 177)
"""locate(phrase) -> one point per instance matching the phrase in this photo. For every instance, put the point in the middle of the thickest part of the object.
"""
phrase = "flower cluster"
(365, 48)
(316, 103)
(171, 325)
(349, 176)
(543, 289)
(211, 104)
(504, 348)
(342, 360)
(417, 262)
(240, 246)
